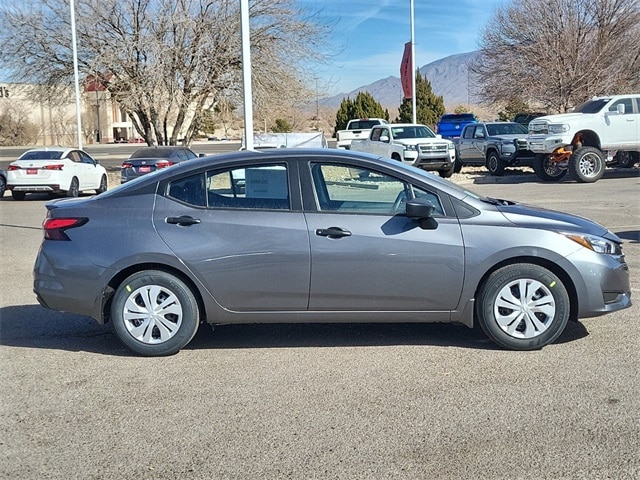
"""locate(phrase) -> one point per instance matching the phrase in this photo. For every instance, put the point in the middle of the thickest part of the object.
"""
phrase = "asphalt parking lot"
(323, 401)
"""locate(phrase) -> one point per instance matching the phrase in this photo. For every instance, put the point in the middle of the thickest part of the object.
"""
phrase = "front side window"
(350, 189)
(628, 106)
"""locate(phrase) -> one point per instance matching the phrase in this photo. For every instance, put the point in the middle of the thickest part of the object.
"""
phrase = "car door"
(367, 256)
(620, 130)
(472, 138)
(242, 233)
(90, 174)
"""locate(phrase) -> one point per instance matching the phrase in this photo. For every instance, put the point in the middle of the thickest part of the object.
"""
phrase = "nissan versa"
(320, 236)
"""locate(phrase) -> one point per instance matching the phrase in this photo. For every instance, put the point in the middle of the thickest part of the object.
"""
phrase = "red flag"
(406, 71)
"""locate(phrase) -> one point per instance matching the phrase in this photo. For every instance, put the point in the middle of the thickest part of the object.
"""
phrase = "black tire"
(3, 186)
(457, 164)
(627, 159)
(18, 195)
(74, 188)
(103, 185)
(495, 164)
(447, 172)
(146, 329)
(395, 156)
(546, 170)
(587, 164)
(514, 323)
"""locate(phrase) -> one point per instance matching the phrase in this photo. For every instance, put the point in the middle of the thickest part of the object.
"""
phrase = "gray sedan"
(320, 236)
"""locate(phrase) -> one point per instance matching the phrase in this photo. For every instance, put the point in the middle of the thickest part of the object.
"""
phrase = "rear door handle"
(333, 232)
(183, 220)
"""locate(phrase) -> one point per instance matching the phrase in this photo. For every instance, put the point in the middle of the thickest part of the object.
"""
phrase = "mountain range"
(449, 77)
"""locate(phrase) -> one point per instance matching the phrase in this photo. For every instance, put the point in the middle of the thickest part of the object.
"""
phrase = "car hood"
(421, 141)
(535, 217)
(509, 137)
(560, 118)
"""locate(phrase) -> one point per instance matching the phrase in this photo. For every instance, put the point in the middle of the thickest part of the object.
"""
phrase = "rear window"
(152, 153)
(363, 124)
(41, 155)
(458, 117)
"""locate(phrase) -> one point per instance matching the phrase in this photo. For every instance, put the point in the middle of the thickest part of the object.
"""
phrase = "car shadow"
(632, 236)
(32, 326)
(524, 175)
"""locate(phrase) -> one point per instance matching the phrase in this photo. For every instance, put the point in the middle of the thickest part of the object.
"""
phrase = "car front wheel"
(523, 306)
(154, 313)
(547, 170)
(494, 164)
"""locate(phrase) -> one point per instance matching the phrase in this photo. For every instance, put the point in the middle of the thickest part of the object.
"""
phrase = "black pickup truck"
(497, 145)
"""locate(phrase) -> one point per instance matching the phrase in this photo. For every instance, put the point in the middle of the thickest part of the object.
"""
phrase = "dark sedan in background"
(150, 159)
(292, 235)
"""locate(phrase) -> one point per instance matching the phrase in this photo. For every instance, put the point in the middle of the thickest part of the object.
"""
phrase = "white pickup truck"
(357, 129)
(602, 131)
(410, 143)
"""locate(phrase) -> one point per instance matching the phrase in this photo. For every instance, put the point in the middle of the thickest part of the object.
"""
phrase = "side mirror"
(421, 210)
(620, 108)
(384, 138)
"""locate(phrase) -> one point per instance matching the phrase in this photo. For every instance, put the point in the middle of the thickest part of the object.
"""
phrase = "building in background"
(44, 115)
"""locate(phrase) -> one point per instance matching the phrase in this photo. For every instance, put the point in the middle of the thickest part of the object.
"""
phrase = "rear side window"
(189, 190)
(259, 187)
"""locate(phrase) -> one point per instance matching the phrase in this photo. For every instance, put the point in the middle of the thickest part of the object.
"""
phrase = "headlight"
(597, 244)
(558, 128)
(410, 147)
(451, 146)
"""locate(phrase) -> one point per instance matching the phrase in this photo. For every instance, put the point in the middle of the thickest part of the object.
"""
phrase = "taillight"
(13, 167)
(55, 228)
(53, 167)
(164, 164)
(126, 165)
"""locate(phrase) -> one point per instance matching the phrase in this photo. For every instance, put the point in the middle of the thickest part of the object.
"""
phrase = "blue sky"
(369, 35)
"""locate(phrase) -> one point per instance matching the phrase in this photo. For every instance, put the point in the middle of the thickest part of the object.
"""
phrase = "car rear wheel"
(17, 195)
(495, 165)
(547, 170)
(587, 165)
(74, 188)
(154, 313)
(103, 185)
(523, 306)
(627, 159)
(3, 186)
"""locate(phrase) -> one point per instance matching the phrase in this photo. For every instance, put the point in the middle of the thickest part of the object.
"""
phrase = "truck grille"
(433, 148)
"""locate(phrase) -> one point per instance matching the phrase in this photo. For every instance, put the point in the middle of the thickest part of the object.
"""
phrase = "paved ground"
(322, 401)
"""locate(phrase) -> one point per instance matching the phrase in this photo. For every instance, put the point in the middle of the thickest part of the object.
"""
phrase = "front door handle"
(333, 232)
(183, 220)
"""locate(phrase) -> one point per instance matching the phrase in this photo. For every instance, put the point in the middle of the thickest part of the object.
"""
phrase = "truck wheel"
(547, 170)
(446, 173)
(494, 164)
(587, 165)
(457, 164)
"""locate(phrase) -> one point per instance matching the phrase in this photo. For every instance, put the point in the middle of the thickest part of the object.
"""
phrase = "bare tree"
(557, 53)
(166, 61)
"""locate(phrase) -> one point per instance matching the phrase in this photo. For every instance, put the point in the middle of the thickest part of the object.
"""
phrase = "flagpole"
(246, 74)
(413, 67)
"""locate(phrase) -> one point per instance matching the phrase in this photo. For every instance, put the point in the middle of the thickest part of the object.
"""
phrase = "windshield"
(505, 129)
(592, 106)
(412, 131)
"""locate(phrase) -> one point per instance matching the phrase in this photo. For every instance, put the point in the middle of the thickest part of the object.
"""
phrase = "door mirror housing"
(384, 138)
(421, 210)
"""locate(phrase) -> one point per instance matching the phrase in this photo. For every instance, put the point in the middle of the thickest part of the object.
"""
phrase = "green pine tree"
(364, 106)
(429, 106)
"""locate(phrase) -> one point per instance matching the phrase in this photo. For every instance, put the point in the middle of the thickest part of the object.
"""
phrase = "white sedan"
(55, 170)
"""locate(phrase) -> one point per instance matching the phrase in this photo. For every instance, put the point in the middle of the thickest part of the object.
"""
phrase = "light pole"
(75, 70)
